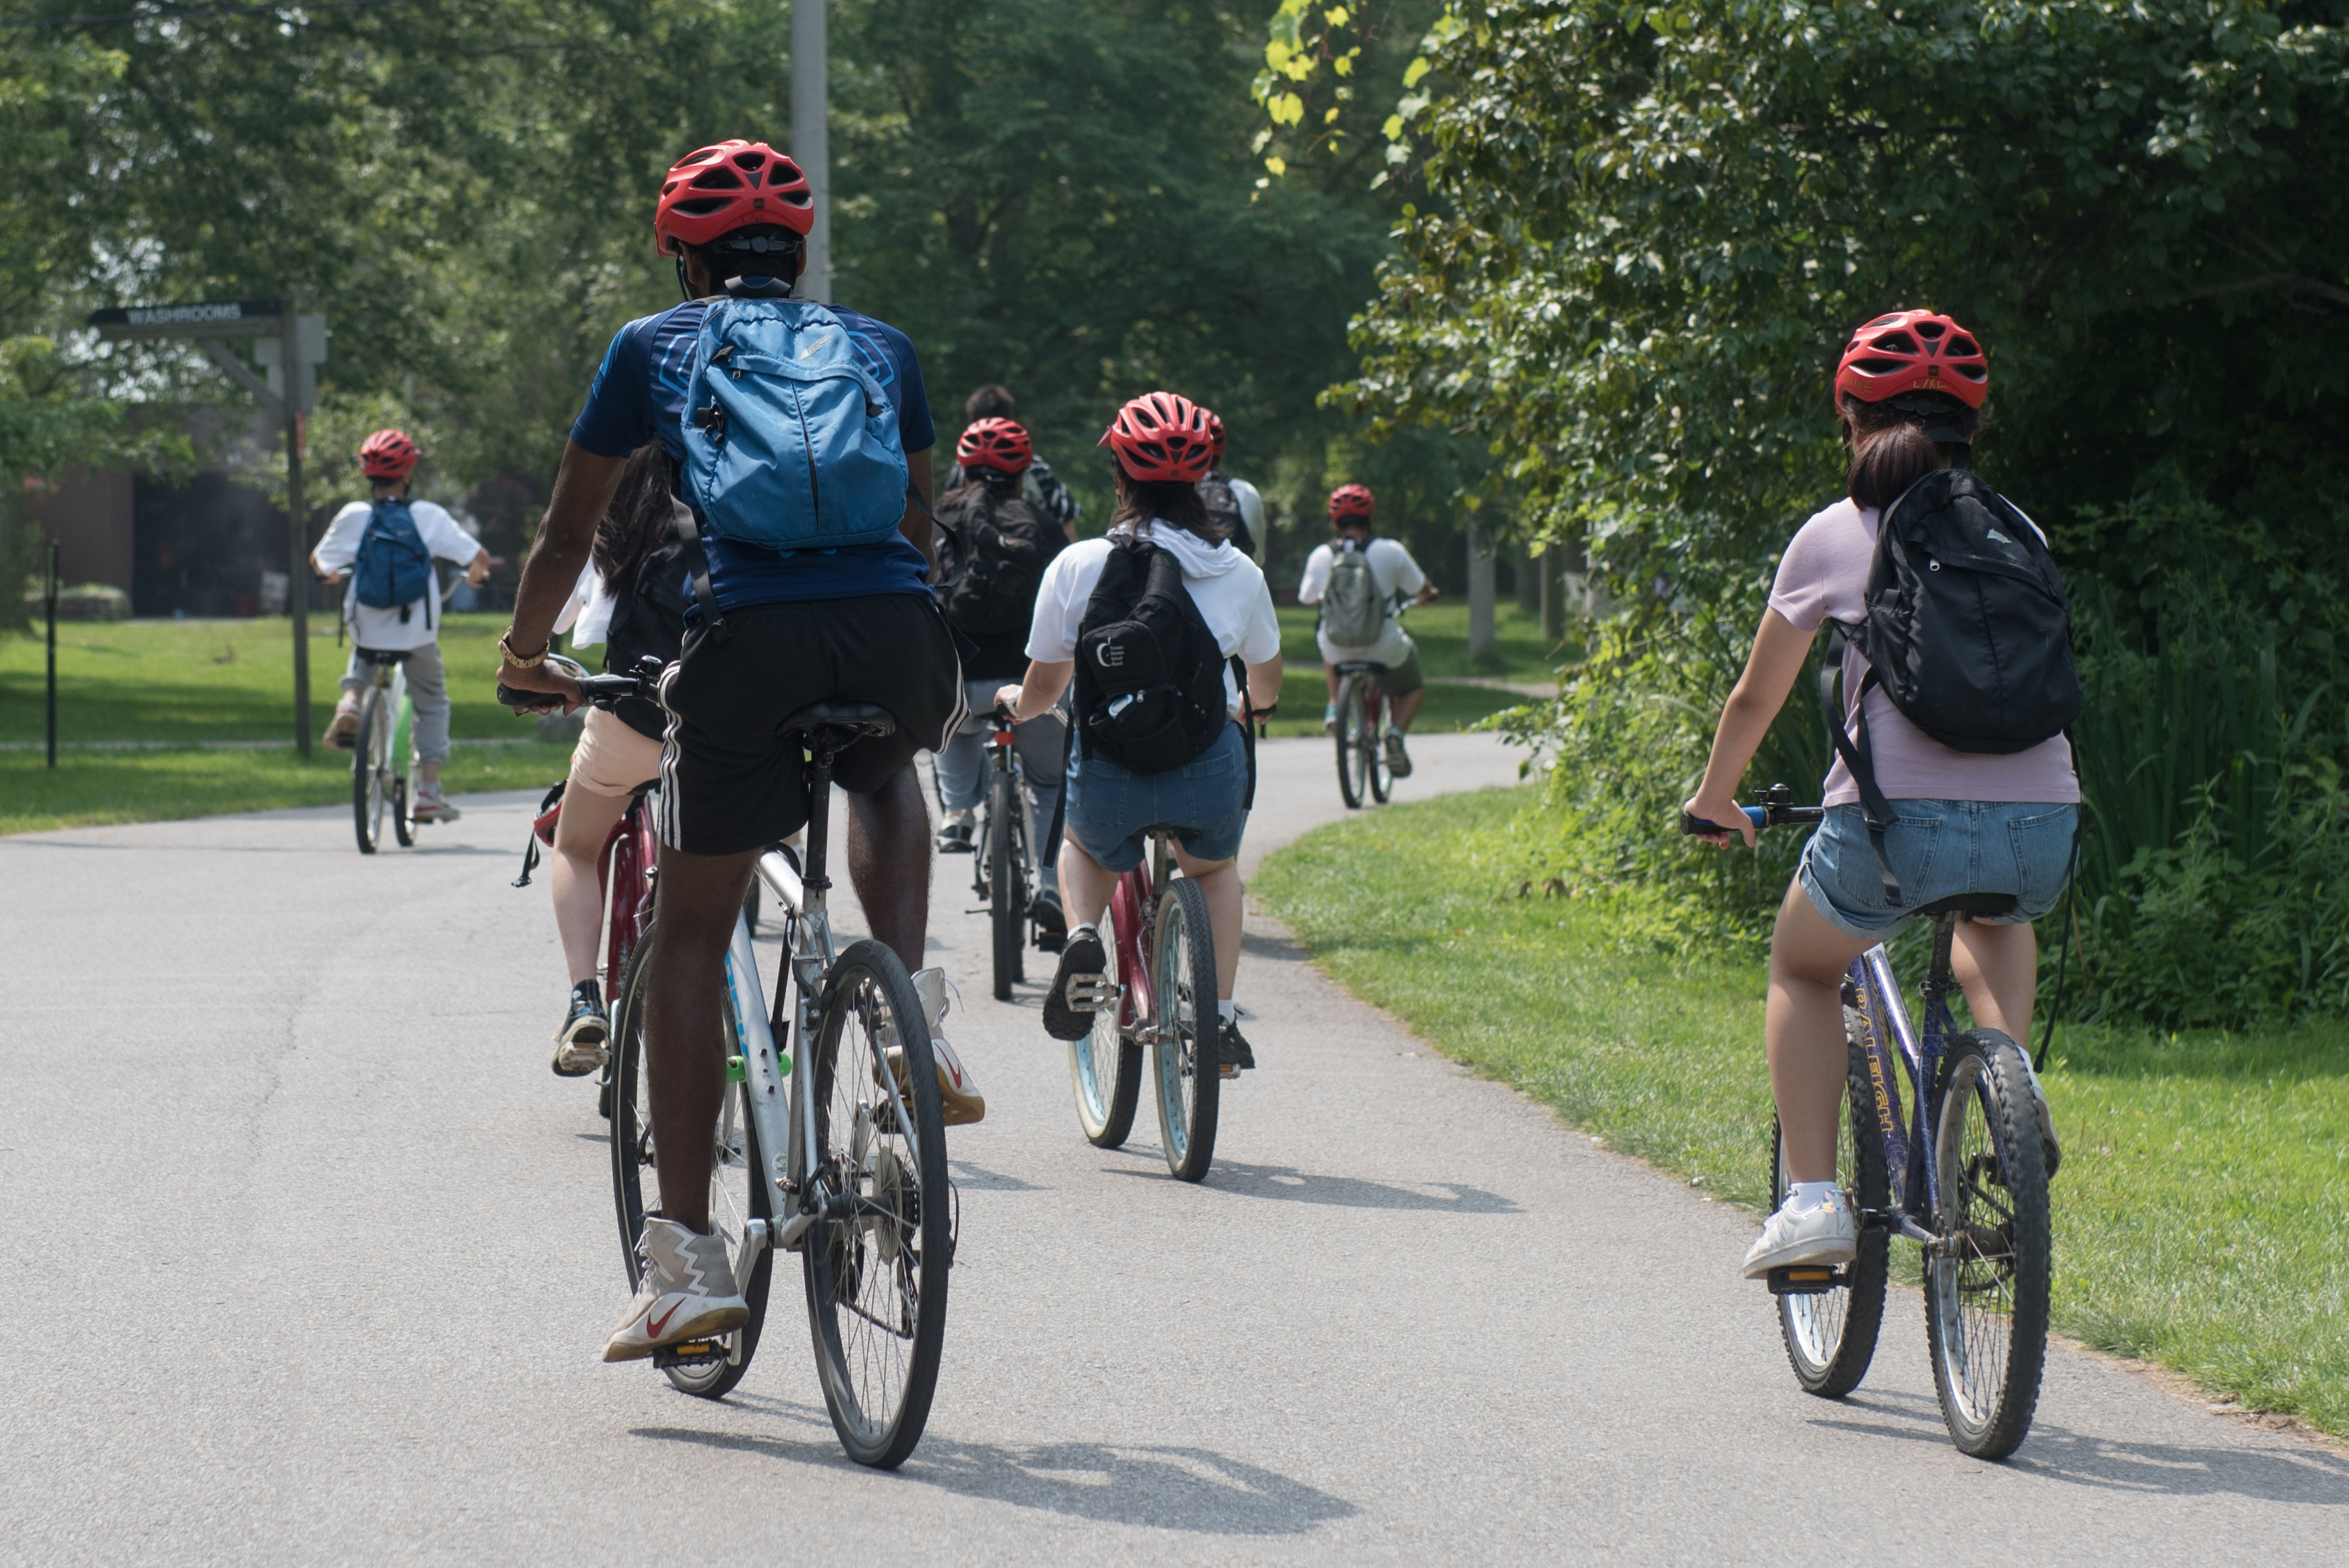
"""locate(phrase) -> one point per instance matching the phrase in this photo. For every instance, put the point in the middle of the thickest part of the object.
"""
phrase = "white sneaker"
(1826, 1234)
(343, 730)
(689, 1292)
(959, 1100)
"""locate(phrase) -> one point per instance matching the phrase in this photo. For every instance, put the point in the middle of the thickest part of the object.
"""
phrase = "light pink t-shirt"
(1824, 577)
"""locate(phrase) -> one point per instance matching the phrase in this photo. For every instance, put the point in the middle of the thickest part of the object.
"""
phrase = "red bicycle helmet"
(714, 190)
(1351, 501)
(1162, 438)
(1913, 351)
(387, 455)
(1214, 430)
(999, 444)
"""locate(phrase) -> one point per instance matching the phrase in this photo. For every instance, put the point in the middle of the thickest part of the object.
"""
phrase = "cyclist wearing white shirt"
(1397, 577)
(387, 458)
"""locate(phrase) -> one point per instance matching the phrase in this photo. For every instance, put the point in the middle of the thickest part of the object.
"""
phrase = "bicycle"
(860, 1189)
(1362, 724)
(1003, 869)
(1167, 1003)
(1969, 1166)
(387, 730)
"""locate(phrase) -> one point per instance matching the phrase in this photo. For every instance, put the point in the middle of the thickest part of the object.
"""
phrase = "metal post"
(297, 548)
(54, 586)
(1553, 597)
(810, 144)
(1484, 636)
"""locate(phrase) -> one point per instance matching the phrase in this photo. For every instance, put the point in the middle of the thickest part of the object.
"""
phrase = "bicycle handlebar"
(597, 691)
(1777, 809)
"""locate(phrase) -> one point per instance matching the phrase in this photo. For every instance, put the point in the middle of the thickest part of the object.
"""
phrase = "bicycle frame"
(1133, 926)
(624, 872)
(1871, 990)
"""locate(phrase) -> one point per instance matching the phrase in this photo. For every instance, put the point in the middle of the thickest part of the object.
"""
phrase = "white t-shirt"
(1227, 587)
(1251, 505)
(1395, 574)
(588, 614)
(1823, 576)
(374, 628)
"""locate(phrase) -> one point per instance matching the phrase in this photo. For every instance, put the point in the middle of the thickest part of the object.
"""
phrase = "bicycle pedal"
(1228, 1071)
(1091, 993)
(691, 1352)
(1807, 1279)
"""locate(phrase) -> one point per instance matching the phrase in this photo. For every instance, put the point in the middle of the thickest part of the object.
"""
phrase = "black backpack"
(993, 547)
(648, 617)
(1150, 679)
(1967, 632)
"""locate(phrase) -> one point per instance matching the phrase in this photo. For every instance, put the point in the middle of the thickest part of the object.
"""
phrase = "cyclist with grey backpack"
(1952, 773)
(1359, 580)
(1148, 624)
(386, 549)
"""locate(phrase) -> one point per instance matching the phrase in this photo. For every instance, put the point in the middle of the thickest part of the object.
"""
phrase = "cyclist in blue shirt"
(849, 624)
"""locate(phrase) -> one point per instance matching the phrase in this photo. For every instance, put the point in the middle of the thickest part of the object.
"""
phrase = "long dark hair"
(639, 520)
(1890, 451)
(1165, 501)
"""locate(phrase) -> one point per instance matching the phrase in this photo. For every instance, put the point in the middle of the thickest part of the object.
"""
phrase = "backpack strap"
(1061, 805)
(1248, 730)
(1859, 757)
(689, 530)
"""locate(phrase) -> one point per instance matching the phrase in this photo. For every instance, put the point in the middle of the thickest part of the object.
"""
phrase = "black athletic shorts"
(728, 782)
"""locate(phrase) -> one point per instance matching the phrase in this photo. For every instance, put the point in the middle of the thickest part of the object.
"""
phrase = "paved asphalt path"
(315, 1257)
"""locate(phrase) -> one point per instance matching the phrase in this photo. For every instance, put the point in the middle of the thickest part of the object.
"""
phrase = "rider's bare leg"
(695, 901)
(1085, 888)
(1999, 967)
(1809, 1056)
(1220, 880)
(889, 863)
(580, 834)
(1332, 670)
(1405, 708)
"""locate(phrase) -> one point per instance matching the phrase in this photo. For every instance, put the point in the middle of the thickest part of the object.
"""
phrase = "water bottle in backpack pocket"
(393, 567)
(1353, 611)
(790, 441)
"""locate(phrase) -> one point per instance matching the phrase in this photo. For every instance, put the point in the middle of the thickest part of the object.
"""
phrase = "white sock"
(1804, 1196)
(1226, 1010)
(1088, 929)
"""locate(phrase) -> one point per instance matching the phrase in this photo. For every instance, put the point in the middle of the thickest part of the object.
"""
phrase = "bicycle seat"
(1969, 904)
(383, 656)
(854, 719)
(1359, 666)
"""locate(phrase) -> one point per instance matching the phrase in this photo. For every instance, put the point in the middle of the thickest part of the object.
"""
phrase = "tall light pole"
(811, 147)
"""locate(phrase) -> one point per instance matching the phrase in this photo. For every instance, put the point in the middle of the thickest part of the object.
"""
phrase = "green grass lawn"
(2203, 1211)
(1441, 630)
(189, 682)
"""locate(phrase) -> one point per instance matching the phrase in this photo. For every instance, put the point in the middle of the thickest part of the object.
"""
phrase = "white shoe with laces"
(961, 1102)
(687, 1292)
(1824, 1234)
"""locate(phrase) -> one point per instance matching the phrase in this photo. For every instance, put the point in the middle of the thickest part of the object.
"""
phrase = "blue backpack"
(394, 569)
(790, 442)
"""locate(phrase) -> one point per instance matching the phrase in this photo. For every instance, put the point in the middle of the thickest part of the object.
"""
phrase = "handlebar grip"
(526, 702)
(1753, 814)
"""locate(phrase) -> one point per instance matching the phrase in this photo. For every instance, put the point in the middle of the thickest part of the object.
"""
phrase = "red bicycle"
(1158, 989)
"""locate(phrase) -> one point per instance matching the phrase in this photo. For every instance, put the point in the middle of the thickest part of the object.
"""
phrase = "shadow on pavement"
(1156, 1487)
(1296, 1186)
(977, 1179)
(2277, 1473)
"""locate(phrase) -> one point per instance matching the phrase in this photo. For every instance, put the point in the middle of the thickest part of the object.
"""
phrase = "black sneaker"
(1398, 759)
(1234, 1056)
(579, 1045)
(1052, 922)
(953, 839)
(1082, 956)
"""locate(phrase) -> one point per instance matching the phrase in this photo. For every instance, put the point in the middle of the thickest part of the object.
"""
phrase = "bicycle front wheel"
(1374, 754)
(1831, 1337)
(402, 768)
(1107, 1065)
(737, 1191)
(1186, 1030)
(368, 748)
(1007, 896)
(877, 1257)
(1986, 1279)
(1352, 784)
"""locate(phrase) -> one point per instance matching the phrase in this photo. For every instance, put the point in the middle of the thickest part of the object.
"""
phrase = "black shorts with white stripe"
(728, 781)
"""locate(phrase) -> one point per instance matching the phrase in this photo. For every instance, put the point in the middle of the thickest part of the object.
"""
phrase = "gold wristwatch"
(505, 646)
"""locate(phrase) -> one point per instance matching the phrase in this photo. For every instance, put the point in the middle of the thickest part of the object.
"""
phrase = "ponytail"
(1889, 449)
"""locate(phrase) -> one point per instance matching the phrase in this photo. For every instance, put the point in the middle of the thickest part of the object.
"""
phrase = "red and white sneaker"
(689, 1292)
(960, 1103)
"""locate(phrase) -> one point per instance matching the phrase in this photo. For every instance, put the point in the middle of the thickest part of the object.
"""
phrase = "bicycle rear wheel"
(1186, 1030)
(1006, 890)
(1351, 784)
(1374, 755)
(876, 1259)
(1105, 1067)
(1986, 1292)
(737, 1191)
(1831, 1337)
(368, 750)
(403, 774)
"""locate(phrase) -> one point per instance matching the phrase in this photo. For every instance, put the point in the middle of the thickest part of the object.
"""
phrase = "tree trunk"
(1484, 638)
(1528, 580)
(1553, 597)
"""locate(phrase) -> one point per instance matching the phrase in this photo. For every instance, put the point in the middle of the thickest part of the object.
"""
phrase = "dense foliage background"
(1059, 194)
(1649, 231)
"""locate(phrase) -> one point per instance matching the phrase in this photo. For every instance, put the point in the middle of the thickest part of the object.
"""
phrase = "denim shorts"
(1110, 811)
(1937, 848)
